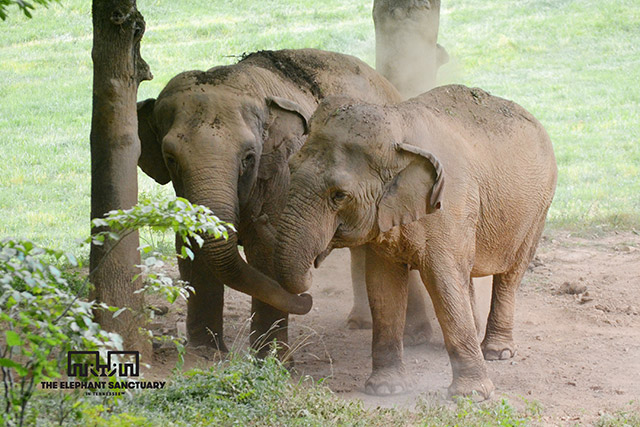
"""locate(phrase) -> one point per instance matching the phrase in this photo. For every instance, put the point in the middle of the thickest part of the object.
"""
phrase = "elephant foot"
(477, 389)
(386, 382)
(359, 319)
(207, 338)
(498, 350)
(417, 334)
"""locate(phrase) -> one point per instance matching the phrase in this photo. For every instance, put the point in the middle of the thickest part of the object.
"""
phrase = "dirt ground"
(577, 333)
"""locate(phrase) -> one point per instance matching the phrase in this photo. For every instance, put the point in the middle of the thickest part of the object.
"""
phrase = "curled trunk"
(225, 261)
(300, 242)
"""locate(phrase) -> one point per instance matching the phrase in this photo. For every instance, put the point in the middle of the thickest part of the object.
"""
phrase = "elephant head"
(357, 176)
(214, 141)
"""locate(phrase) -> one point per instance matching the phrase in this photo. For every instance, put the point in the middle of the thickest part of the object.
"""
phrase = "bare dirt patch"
(577, 333)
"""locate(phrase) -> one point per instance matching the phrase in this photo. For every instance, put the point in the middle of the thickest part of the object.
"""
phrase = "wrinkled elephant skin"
(454, 183)
(223, 137)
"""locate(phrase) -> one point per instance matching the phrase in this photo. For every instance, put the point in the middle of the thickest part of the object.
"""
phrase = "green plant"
(188, 221)
(42, 314)
(42, 320)
(627, 417)
(243, 390)
(468, 413)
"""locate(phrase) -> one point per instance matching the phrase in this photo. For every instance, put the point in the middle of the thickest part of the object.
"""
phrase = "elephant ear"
(151, 160)
(414, 191)
(285, 132)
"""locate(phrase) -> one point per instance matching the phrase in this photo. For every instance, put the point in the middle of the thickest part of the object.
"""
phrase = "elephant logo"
(83, 363)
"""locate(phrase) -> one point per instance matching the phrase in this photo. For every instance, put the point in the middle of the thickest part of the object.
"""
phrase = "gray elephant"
(376, 175)
(224, 138)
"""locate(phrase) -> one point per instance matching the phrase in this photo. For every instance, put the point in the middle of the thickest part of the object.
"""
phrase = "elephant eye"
(171, 161)
(338, 196)
(248, 161)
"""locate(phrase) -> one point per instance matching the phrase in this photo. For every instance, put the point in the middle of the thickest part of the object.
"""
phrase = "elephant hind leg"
(498, 341)
(417, 329)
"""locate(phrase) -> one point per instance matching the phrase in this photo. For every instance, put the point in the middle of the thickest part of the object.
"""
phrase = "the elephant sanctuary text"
(92, 386)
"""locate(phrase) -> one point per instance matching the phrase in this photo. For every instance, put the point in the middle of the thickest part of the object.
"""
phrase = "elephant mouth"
(323, 255)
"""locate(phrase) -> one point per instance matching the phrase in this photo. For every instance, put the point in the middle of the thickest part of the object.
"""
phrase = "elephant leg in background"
(474, 306)
(480, 294)
(417, 328)
(448, 288)
(387, 290)
(204, 310)
(268, 324)
(360, 316)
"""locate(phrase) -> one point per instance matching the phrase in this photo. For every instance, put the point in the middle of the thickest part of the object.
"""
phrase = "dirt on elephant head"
(213, 76)
(289, 65)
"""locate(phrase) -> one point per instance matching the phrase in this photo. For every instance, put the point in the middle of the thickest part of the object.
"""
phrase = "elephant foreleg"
(418, 329)
(387, 290)
(449, 291)
(205, 307)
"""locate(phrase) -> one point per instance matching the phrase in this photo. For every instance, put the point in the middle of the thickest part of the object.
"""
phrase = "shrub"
(42, 314)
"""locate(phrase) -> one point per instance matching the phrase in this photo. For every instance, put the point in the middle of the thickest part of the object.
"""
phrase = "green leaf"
(72, 259)
(8, 363)
(54, 271)
(13, 339)
(99, 222)
(186, 252)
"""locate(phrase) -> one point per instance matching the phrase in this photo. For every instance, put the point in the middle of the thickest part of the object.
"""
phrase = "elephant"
(407, 52)
(223, 137)
(375, 175)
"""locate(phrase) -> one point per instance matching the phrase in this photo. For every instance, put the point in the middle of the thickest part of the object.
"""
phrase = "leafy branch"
(43, 318)
(24, 6)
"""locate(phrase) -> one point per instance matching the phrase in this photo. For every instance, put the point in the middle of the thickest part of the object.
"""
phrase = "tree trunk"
(118, 69)
(407, 52)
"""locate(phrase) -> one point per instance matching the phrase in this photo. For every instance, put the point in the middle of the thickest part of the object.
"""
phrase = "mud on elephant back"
(223, 137)
(454, 183)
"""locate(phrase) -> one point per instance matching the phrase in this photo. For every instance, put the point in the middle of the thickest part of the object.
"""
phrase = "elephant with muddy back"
(454, 183)
(223, 137)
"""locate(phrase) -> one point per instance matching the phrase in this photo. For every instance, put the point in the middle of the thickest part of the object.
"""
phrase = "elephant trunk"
(225, 261)
(299, 243)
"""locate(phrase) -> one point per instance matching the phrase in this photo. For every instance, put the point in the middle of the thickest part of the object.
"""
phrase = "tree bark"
(407, 52)
(118, 69)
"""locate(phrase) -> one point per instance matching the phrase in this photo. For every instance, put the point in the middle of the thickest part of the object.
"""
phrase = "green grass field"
(574, 64)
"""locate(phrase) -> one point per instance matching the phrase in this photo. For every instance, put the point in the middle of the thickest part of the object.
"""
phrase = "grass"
(574, 64)
(245, 391)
